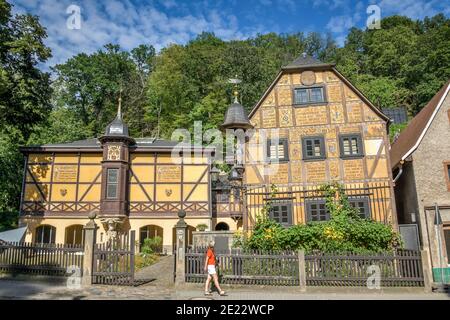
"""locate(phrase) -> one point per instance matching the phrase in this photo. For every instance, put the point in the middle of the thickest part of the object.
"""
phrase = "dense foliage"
(344, 232)
(152, 245)
(402, 64)
(25, 94)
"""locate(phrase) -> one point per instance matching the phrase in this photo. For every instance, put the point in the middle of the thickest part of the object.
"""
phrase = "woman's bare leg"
(216, 282)
(208, 280)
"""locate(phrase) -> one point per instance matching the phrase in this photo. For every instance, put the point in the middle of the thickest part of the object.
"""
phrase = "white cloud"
(330, 4)
(124, 23)
(415, 9)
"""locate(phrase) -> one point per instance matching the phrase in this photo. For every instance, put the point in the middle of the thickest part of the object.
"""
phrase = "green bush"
(151, 245)
(201, 227)
(344, 232)
(145, 260)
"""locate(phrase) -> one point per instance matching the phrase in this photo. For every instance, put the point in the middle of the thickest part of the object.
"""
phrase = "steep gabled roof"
(410, 138)
(306, 61)
(310, 63)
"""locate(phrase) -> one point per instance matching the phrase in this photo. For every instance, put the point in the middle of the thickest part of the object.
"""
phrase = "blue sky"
(161, 22)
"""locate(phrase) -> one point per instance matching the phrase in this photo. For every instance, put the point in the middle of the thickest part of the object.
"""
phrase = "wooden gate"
(114, 261)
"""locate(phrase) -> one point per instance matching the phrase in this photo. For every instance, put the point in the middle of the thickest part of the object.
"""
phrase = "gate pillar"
(90, 233)
(180, 262)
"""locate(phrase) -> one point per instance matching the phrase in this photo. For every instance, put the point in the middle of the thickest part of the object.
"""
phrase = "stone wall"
(429, 161)
(202, 238)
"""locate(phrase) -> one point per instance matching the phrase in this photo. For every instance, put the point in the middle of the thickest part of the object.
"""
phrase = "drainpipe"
(400, 171)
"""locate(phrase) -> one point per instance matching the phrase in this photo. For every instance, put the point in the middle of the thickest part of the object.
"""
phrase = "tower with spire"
(115, 143)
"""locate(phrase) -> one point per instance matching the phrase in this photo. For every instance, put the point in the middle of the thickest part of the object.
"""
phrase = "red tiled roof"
(413, 132)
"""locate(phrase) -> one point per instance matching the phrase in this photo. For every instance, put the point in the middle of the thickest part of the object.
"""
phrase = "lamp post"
(215, 172)
(237, 183)
(236, 120)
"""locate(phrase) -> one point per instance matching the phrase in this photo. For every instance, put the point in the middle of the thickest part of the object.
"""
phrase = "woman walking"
(210, 268)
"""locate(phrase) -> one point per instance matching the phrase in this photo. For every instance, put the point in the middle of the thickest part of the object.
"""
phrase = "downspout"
(400, 171)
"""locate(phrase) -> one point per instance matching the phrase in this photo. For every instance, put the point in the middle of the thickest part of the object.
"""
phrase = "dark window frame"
(285, 143)
(308, 210)
(309, 90)
(290, 212)
(447, 241)
(110, 184)
(447, 173)
(365, 200)
(358, 137)
(40, 234)
(322, 148)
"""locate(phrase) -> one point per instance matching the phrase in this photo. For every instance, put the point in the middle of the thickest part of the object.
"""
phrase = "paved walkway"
(159, 274)
(20, 289)
(159, 286)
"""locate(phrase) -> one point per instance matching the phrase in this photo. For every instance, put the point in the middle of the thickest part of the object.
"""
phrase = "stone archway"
(151, 231)
(222, 226)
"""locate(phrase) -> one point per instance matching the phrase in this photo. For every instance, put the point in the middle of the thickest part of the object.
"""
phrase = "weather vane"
(235, 81)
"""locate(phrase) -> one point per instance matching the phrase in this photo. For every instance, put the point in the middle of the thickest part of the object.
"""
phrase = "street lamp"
(236, 173)
(236, 121)
(215, 172)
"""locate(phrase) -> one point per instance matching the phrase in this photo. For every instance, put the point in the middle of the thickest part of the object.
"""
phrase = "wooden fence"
(114, 261)
(246, 267)
(402, 268)
(41, 259)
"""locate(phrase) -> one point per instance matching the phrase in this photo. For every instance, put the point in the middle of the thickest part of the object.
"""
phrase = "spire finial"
(119, 108)
(235, 81)
(304, 54)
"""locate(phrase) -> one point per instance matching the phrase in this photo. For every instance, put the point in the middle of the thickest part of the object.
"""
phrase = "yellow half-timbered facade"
(313, 127)
(131, 184)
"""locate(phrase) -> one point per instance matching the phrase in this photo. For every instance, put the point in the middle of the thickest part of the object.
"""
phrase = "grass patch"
(145, 260)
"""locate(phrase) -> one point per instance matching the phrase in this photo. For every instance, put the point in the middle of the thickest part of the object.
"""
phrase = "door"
(447, 242)
(410, 236)
(221, 244)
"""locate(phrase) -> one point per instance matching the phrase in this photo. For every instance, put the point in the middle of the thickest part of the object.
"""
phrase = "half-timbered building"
(313, 127)
(132, 184)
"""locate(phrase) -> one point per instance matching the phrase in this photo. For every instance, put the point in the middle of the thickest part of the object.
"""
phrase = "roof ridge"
(304, 61)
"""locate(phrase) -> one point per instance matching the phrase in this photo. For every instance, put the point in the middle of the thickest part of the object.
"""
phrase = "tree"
(24, 100)
(402, 64)
(24, 88)
(90, 85)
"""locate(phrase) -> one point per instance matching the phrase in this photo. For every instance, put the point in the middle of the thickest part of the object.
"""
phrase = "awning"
(15, 235)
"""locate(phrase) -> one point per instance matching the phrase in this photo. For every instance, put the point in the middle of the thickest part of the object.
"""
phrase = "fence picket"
(322, 269)
(39, 259)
